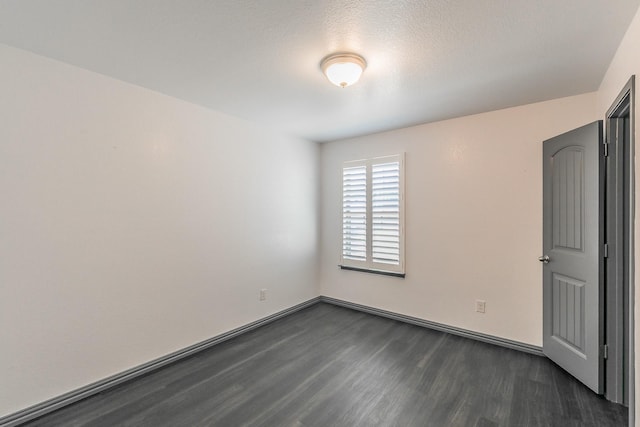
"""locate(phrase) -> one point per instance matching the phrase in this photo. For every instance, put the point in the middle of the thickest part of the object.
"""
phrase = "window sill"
(368, 270)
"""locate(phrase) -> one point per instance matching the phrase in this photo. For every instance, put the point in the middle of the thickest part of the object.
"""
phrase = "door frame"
(619, 281)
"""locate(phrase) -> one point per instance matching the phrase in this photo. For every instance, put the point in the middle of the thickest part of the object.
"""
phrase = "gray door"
(572, 262)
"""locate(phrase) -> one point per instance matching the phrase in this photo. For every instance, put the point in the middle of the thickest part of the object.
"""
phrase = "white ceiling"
(259, 59)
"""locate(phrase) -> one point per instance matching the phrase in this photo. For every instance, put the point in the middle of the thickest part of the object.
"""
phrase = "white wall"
(625, 64)
(473, 218)
(134, 224)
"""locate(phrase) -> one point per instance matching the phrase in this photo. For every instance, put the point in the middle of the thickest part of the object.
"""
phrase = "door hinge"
(606, 149)
(605, 351)
(606, 250)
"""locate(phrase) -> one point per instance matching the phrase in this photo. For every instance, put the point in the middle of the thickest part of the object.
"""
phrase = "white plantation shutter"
(354, 213)
(385, 213)
(373, 214)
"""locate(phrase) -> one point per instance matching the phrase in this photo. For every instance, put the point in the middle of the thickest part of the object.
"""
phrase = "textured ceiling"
(427, 60)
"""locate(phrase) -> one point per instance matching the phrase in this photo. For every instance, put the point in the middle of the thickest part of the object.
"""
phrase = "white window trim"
(369, 265)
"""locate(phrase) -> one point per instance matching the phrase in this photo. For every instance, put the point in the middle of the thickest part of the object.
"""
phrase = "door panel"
(572, 277)
(568, 198)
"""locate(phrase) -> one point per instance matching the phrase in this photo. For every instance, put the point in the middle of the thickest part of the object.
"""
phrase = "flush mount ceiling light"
(343, 69)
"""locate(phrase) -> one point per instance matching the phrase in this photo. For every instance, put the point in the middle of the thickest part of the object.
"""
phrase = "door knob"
(545, 259)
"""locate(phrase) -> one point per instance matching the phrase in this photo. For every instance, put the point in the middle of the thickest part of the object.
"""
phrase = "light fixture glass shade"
(343, 69)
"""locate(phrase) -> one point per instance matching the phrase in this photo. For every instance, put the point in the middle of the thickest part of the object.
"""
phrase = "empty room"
(319, 213)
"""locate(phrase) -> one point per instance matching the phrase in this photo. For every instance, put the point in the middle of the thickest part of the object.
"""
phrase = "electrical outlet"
(481, 306)
(263, 294)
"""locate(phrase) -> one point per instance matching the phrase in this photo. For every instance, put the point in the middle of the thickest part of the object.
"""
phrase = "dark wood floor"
(331, 366)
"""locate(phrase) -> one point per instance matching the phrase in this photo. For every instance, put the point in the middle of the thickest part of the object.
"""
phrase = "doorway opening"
(619, 266)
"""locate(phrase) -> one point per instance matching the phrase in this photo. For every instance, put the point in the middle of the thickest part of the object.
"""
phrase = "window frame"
(369, 265)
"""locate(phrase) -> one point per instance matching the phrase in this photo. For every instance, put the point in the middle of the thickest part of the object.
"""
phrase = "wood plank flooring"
(331, 366)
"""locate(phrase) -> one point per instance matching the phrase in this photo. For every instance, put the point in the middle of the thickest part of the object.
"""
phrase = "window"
(373, 215)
